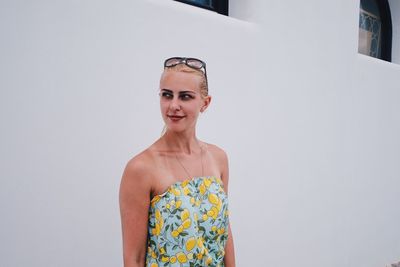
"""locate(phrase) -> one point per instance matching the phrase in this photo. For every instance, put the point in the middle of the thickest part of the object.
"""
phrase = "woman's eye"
(186, 97)
(166, 95)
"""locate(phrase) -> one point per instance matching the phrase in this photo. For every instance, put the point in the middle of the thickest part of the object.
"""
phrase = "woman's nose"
(175, 105)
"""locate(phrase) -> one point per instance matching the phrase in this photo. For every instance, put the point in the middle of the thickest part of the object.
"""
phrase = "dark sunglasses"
(193, 63)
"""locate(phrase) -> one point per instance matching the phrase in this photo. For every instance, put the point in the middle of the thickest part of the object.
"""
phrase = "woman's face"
(180, 100)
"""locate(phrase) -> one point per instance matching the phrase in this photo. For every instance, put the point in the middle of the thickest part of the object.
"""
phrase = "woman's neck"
(186, 143)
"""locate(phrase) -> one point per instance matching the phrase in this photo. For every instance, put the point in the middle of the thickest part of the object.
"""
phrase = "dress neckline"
(174, 184)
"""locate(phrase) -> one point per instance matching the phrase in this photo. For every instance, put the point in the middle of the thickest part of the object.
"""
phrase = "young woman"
(173, 195)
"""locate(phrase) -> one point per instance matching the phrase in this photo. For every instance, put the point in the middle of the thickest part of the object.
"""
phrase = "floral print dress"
(188, 224)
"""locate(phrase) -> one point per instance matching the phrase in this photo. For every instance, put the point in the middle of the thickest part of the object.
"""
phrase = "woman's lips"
(175, 117)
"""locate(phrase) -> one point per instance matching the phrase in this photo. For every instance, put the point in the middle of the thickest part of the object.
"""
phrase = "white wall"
(311, 127)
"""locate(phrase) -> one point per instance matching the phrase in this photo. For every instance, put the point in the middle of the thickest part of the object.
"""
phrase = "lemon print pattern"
(188, 224)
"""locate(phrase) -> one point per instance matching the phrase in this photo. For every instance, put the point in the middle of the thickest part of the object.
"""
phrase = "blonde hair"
(187, 69)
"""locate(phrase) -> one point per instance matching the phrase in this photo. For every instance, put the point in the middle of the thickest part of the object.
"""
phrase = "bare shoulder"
(138, 169)
(218, 153)
(138, 164)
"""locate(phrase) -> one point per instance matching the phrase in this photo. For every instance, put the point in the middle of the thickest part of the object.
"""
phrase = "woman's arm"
(229, 251)
(134, 199)
(229, 258)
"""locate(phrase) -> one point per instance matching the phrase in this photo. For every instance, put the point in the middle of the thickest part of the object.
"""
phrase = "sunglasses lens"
(195, 63)
(191, 62)
(172, 62)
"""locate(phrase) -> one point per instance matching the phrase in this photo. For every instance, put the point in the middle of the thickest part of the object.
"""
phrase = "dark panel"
(220, 6)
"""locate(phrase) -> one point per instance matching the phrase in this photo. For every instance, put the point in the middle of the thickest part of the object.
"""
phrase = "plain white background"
(311, 127)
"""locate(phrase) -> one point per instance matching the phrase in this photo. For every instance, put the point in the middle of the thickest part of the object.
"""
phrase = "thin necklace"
(202, 166)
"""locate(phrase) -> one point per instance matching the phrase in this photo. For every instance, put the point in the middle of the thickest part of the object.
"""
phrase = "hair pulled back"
(187, 69)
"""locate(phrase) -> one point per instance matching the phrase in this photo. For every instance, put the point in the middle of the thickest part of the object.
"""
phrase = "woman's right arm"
(134, 200)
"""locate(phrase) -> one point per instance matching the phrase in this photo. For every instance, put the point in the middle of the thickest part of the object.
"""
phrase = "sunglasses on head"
(191, 62)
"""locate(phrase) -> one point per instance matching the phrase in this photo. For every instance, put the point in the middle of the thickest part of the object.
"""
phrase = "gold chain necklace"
(202, 166)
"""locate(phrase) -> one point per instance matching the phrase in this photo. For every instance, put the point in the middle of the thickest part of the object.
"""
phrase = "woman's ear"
(207, 101)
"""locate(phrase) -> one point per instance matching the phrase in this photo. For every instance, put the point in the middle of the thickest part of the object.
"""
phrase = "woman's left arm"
(229, 250)
(229, 258)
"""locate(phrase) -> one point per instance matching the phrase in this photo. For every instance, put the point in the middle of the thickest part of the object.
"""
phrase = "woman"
(173, 195)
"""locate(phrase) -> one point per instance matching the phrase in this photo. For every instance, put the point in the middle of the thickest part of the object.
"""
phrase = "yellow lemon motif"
(172, 259)
(208, 261)
(185, 183)
(186, 224)
(214, 209)
(158, 214)
(174, 233)
(202, 189)
(185, 214)
(221, 231)
(213, 199)
(207, 204)
(181, 257)
(190, 243)
(156, 230)
(176, 192)
(200, 243)
(210, 213)
(186, 191)
(162, 250)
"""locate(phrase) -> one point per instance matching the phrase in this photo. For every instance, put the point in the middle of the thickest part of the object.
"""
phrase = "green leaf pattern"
(188, 224)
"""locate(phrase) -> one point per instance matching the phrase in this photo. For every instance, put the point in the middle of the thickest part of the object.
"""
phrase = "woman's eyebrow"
(180, 92)
(185, 92)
